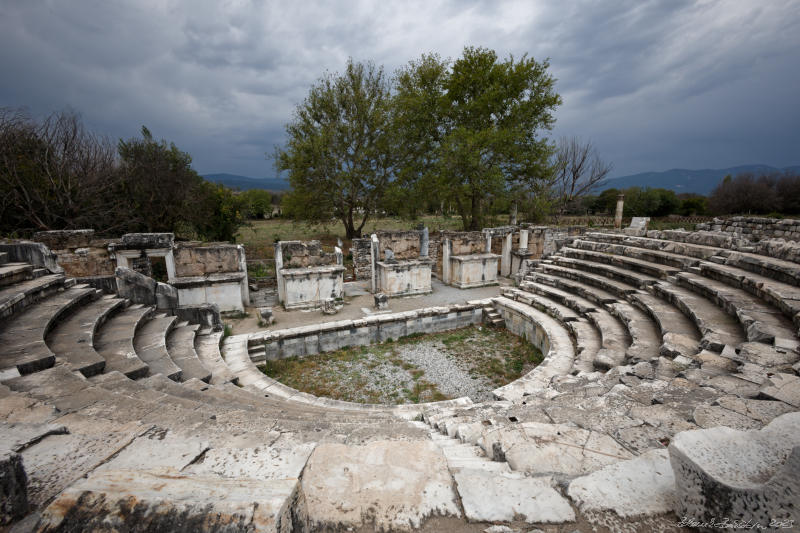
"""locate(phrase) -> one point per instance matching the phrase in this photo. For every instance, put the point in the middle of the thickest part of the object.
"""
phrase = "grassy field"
(259, 235)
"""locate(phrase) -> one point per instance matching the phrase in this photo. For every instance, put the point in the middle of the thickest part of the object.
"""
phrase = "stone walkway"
(358, 298)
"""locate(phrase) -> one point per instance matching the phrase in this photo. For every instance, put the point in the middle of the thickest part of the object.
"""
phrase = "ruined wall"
(547, 240)
(756, 228)
(360, 250)
(300, 254)
(79, 253)
(198, 259)
(404, 244)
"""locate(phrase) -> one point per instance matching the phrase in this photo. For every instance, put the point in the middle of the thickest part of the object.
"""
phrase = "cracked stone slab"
(552, 448)
(18, 436)
(762, 410)
(127, 500)
(641, 486)
(156, 449)
(506, 497)
(749, 475)
(709, 416)
(256, 463)
(388, 485)
(783, 387)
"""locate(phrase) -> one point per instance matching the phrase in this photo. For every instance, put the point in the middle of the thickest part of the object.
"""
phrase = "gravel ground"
(450, 375)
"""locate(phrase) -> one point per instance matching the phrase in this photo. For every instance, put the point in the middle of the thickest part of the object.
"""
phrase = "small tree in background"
(578, 169)
(338, 152)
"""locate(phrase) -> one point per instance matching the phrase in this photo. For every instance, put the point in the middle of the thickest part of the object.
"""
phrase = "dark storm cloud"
(655, 84)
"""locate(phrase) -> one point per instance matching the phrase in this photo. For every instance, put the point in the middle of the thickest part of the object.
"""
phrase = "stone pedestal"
(310, 287)
(474, 270)
(404, 278)
(226, 290)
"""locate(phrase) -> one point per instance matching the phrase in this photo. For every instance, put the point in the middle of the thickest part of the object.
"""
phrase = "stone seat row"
(51, 319)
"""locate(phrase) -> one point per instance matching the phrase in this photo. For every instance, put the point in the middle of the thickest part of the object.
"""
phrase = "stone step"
(15, 298)
(114, 342)
(207, 347)
(72, 340)
(717, 328)
(784, 296)
(677, 261)
(624, 275)
(623, 262)
(696, 251)
(588, 344)
(761, 321)
(775, 269)
(547, 334)
(180, 345)
(11, 273)
(592, 293)
(679, 335)
(23, 336)
(614, 337)
(680, 339)
(617, 288)
(644, 333)
(553, 308)
(150, 344)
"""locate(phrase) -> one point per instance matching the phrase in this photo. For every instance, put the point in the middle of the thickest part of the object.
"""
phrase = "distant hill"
(243, 183)
(684, 180)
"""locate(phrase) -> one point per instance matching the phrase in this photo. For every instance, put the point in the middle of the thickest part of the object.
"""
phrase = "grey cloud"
(656, 84)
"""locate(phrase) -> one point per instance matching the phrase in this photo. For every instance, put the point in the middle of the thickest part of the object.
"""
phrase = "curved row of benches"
(106, 403)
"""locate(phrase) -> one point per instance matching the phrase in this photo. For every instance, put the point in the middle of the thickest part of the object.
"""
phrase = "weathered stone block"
(751, 476)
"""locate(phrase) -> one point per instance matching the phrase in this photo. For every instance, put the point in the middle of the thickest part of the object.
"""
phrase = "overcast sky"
(655, 85)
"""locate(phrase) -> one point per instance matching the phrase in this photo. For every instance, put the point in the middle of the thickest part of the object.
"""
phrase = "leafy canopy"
(472, 130)
(337, 152)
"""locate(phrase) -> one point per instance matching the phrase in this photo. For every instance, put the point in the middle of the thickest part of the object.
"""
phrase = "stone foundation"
(309, 287)
(475, 270)
(404, 278)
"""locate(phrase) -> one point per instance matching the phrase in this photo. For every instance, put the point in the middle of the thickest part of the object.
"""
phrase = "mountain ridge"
(245, 183)
(680, 180)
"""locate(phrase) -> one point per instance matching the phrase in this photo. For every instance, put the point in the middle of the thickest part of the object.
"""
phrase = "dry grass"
(259, 235)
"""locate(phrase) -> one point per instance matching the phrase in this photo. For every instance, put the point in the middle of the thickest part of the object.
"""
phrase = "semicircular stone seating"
(116, 417)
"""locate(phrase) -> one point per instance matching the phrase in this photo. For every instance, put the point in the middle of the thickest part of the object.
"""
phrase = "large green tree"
(471, 130)
(337, 152)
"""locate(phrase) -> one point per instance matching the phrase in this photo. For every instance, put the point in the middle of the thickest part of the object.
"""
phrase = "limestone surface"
(390, 485)
(496, 496)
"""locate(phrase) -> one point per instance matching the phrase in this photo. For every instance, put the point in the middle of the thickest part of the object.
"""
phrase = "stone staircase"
(647, 342)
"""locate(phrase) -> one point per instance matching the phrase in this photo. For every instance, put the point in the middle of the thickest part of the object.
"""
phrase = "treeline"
(55, 174)
(641, 202)
(748, 193)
